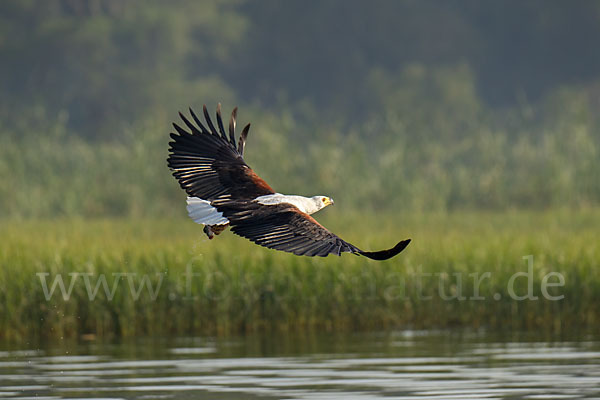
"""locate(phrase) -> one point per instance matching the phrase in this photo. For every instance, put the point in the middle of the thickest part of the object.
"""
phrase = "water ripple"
(465, 370)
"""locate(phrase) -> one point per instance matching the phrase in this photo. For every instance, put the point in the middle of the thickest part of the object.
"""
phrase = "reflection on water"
(409, 365)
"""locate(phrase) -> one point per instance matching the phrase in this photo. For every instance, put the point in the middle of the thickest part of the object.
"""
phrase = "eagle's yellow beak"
(328, 201)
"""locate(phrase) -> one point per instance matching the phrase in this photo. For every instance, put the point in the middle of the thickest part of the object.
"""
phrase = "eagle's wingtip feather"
(386, 254)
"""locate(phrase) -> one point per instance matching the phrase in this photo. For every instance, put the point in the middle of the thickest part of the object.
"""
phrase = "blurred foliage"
(324, 52)
(412, 105)
(108, 63)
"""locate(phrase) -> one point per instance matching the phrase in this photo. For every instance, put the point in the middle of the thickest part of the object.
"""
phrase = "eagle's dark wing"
(208, 165)
(284, 227)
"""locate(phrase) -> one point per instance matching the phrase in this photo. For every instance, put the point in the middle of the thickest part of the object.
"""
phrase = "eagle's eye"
(324, 199)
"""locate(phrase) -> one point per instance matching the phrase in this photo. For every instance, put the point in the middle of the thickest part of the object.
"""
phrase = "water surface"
(408, 365)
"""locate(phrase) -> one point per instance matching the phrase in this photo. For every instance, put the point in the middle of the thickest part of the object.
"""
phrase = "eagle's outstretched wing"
(208, 165)
(284, 227)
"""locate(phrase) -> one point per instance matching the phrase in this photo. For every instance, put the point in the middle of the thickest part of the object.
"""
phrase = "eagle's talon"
(208, 232)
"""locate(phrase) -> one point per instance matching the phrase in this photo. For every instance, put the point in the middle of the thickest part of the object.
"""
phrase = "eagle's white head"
(320, 202)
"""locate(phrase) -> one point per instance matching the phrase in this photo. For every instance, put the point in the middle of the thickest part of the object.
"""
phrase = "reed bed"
(163, 277)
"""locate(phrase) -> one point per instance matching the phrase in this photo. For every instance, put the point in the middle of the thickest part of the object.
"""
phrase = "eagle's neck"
(304, 204)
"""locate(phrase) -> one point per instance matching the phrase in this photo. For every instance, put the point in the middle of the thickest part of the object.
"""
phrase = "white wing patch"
(203, 213)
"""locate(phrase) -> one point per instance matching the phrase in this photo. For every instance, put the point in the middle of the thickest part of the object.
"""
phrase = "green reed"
(229, 285)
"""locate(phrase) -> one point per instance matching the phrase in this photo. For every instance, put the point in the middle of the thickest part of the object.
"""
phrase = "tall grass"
(239, 287)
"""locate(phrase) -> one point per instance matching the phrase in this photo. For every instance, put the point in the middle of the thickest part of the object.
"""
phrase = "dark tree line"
(109, 60)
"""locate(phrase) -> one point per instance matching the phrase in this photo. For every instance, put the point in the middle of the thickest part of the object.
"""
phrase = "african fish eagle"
(224, 191)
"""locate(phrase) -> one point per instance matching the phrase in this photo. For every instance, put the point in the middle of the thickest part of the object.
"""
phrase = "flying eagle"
(224, 191)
